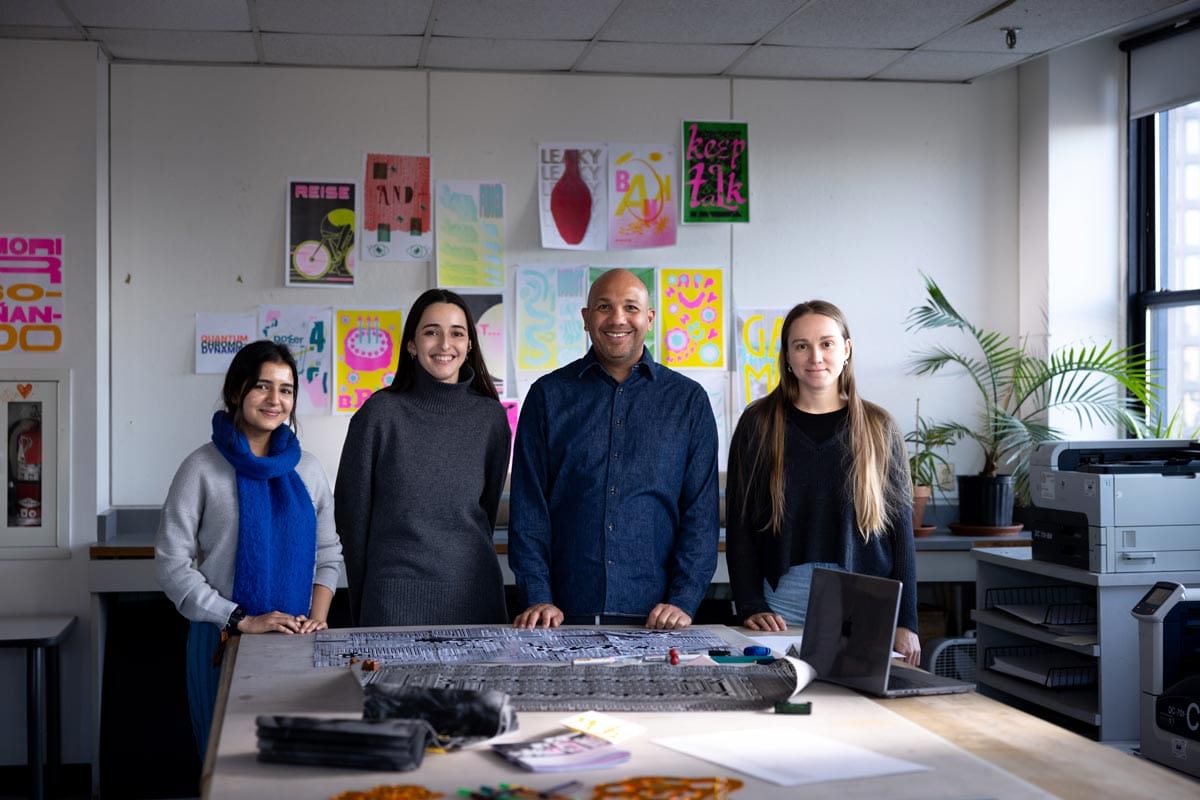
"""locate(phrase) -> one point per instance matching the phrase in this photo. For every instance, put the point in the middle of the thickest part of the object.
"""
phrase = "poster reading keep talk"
(716, 172)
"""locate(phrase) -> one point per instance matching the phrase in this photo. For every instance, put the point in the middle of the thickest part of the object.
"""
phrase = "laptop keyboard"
(900, 678)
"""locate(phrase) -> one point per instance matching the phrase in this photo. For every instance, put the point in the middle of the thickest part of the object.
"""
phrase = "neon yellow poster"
(756, 354)
(365, 358)
(691, 317)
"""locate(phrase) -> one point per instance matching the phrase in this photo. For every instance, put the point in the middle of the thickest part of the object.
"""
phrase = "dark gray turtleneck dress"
(415, 503)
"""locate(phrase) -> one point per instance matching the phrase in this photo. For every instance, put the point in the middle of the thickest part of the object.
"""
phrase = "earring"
(789, 369)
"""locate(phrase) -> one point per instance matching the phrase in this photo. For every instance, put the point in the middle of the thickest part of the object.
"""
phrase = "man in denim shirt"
(613, 512)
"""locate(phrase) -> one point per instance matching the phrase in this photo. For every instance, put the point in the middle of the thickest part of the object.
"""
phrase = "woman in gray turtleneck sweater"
(420, 479)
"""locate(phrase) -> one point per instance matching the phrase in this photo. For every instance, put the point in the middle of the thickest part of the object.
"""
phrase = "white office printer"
(1128, 505)
(1169, 705)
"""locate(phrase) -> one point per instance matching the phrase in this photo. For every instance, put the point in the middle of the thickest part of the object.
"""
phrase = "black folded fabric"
(389, 744)
(460, 716)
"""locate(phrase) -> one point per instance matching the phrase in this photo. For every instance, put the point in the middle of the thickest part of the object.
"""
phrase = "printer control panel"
(1162, 594)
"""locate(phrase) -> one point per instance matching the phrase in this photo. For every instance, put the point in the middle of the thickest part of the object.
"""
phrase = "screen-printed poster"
(716, 172)
(573, 195)
(470, 234)
(756, 352)
(219, 336)
(549, 323)
(365, 342)
(31, 291)
(641, 200)
(320, 233)
(397, 208)
(308, 333)
(490, 329)
(691, 317)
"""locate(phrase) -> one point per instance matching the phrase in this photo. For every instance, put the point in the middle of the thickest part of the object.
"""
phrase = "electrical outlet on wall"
(945, 477)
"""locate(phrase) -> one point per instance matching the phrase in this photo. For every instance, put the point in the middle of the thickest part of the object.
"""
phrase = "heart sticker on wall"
(24, 389)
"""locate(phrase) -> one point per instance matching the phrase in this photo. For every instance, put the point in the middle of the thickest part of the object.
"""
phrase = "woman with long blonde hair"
(817, 477)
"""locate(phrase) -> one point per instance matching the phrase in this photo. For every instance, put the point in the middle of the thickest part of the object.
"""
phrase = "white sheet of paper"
(788, 757)
(778, 644)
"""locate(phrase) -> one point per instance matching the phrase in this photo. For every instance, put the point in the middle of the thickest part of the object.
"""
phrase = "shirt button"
(616, 456)
(610, 526)
(613, 490)
(618, 422)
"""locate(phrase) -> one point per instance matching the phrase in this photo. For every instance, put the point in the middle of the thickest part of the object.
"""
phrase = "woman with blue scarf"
(246, 542)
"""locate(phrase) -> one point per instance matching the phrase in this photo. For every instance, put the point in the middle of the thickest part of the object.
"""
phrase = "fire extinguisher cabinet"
(34, 410)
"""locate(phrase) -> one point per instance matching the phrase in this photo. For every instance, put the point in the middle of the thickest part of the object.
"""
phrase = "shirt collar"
(646, 365)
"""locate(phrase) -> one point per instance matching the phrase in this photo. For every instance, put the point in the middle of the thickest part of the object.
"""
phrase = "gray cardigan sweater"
(195, 550)
(417, 492)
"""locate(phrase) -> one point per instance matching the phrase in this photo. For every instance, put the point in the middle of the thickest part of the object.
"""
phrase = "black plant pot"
(984, 500)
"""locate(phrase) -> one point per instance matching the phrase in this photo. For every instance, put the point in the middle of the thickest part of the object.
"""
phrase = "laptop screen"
(849, 628)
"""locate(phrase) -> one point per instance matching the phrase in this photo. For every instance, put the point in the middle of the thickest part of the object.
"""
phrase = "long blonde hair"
(876, 448)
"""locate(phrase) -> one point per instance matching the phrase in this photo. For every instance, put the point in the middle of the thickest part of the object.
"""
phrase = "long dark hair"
(873, 437)
(244, 370)
(406, 366)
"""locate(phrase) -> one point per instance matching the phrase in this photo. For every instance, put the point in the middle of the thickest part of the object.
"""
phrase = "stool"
(40, 636)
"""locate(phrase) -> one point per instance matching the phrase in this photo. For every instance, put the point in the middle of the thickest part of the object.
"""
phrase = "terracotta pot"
(921, 496)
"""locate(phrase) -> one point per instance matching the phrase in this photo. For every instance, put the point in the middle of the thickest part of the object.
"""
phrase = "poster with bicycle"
(397, 208)
(320, 233)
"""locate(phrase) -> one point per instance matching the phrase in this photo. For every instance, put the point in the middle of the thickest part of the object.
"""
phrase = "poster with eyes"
(397, 208)
(691, 317)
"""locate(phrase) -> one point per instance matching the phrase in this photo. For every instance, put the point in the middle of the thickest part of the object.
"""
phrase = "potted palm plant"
(1017, 388)
(924, 461)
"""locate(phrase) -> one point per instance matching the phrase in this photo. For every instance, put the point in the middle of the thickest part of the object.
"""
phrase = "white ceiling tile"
(1046, 26)
(506, 54)
(813, 62)
(349, 51)
(174, 15)
(952, 67)
(897, 24)
(522, 19)
(661, 59)
(366, 17)
(187, 46)
(32, 12)
(696, 21)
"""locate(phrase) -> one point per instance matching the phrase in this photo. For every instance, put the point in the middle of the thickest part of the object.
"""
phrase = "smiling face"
(267, 403)
(817, 353)
(442, 342)
(617, 318)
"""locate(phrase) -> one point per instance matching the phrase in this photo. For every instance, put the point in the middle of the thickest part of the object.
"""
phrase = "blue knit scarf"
(277, 527)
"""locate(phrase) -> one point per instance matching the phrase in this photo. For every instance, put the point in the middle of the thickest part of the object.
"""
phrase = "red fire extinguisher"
(25, 458)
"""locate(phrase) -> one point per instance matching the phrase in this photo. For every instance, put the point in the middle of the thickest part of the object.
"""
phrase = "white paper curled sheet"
(805, 674)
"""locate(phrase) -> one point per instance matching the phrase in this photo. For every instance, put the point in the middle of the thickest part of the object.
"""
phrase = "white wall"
(1073, 173)
(50, 146)
(854, 189)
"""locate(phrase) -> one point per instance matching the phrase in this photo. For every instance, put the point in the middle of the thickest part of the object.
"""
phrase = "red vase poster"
(572, 195)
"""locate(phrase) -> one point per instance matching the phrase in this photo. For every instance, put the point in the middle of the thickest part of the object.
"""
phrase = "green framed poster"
(716, 172)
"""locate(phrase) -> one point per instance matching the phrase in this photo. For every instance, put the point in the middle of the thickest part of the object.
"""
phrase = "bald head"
(617, 317)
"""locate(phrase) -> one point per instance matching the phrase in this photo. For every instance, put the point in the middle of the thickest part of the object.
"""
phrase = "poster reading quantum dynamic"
(716, 172)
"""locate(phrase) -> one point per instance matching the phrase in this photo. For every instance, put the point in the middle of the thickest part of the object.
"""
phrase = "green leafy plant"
(1157, 426)
(924, 460)
(1017, 388)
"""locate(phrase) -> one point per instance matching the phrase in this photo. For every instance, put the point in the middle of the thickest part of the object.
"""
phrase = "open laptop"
(849, 629)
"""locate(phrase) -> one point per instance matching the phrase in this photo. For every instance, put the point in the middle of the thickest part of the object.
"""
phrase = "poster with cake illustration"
(365, 343)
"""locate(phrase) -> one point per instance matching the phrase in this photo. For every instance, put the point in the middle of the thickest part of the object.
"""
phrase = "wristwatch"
(237, 615)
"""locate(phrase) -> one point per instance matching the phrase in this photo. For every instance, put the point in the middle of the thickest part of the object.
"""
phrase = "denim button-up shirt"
(613, 506)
